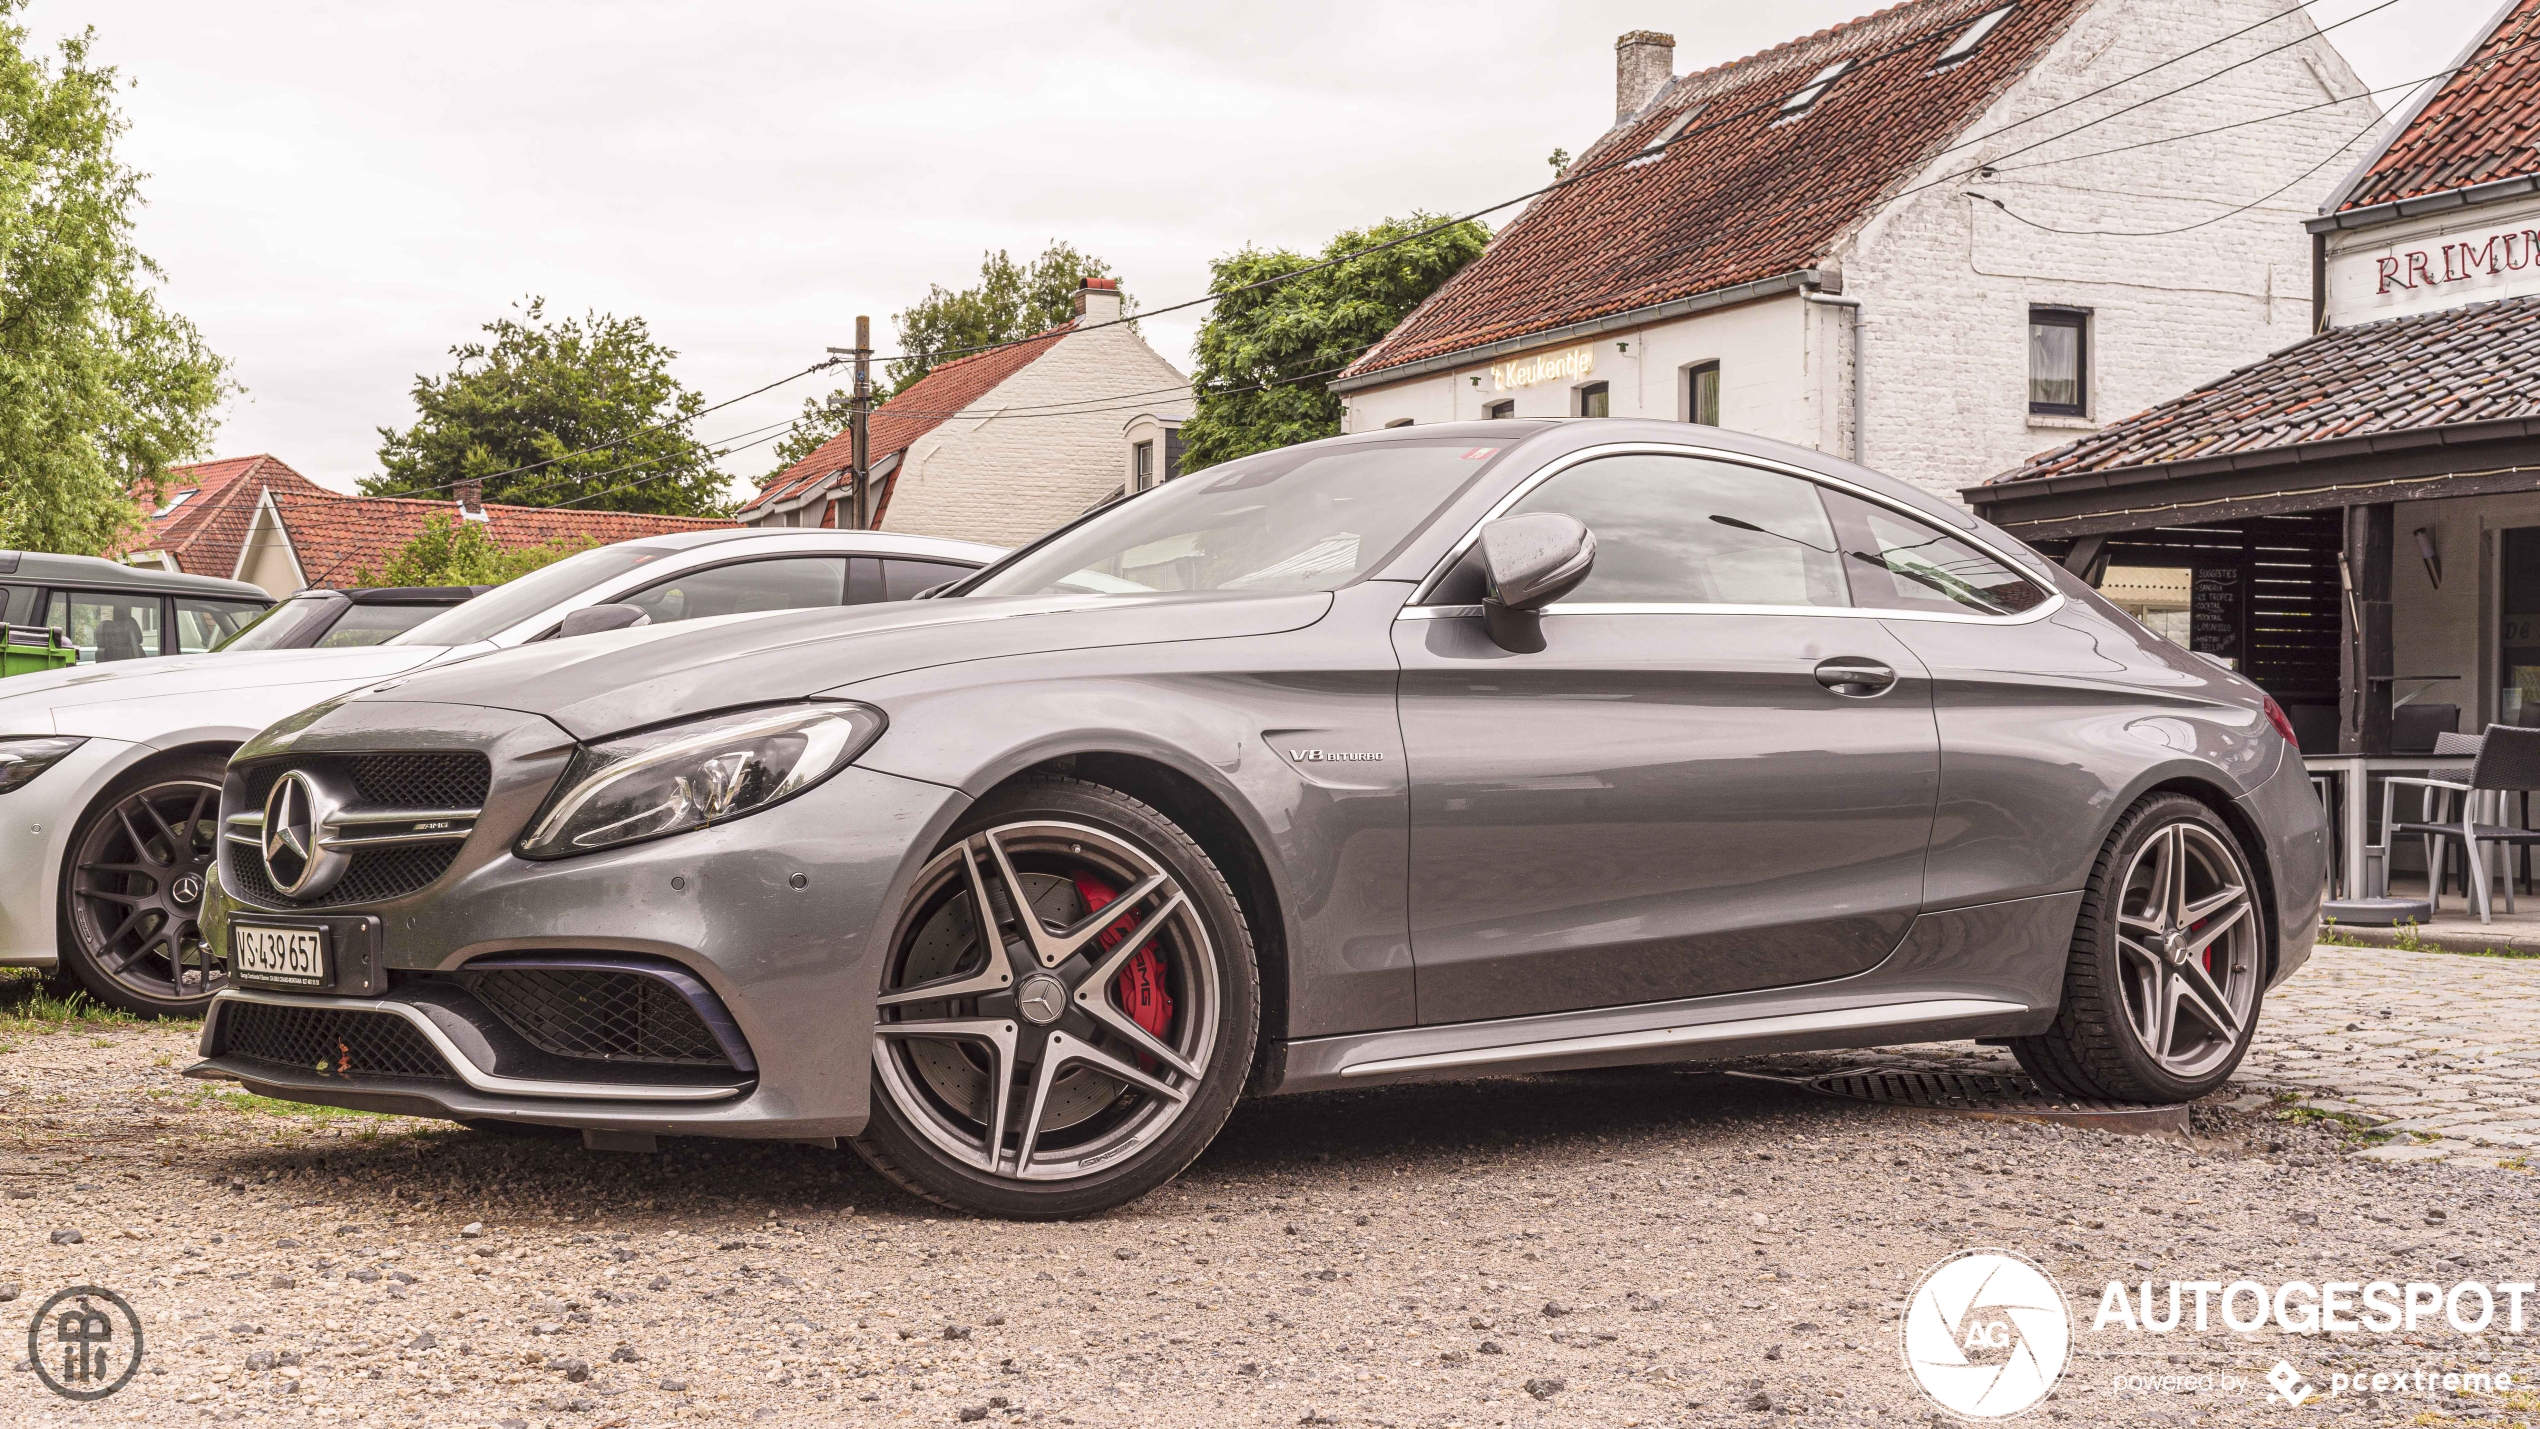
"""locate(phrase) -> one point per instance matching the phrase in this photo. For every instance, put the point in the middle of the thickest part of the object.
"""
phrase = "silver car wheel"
(1003, 1037)
(2187, 944)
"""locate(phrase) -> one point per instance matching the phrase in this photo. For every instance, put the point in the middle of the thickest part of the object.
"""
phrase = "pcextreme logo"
(1987, 1334)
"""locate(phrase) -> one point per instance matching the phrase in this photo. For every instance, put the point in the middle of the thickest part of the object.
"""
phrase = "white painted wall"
(1946, 279)
(1042, 446)
(2443, 260)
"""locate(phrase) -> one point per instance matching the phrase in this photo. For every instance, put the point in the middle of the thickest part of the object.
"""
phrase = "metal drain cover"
(1985, 1094)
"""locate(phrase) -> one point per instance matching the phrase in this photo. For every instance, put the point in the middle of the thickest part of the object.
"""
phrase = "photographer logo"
(1987, 1334)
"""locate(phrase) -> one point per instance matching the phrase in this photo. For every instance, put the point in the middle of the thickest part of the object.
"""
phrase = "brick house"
(1926, 239)
(255, 519)
(2356, 515)
(1002, 445)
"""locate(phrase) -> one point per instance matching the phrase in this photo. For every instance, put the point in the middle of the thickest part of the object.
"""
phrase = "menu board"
(2217, 613)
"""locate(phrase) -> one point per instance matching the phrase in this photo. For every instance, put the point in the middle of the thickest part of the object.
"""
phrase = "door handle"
(1856, 678)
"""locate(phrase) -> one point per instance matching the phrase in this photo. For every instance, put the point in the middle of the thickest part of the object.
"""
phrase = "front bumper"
(778, 916)
(35, 833)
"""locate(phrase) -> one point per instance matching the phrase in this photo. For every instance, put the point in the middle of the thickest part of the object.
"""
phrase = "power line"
(2324, 162)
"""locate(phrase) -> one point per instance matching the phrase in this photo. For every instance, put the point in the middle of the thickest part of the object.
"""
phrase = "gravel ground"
(1650, 1247)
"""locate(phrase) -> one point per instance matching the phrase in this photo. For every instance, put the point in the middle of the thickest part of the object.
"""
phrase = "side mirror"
(1529, 562)
(592, 619)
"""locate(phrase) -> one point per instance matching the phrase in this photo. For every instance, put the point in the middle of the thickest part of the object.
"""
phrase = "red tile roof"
(1742, 197)
(2478, 128)
(203, 532)
(941, 394)
(2478, 363)
(338, 536)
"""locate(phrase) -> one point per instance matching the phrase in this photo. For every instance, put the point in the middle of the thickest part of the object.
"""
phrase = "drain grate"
(1994, 1094)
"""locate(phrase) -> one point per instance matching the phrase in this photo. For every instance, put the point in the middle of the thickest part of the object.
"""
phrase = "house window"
(1142, 466)
(1496, 410)
(2058, 362)
(1972, 36)
(1809, 93)
(1702, 394)
(1595, 401)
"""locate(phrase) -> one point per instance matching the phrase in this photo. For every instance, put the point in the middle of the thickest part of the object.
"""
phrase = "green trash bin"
(25, 649)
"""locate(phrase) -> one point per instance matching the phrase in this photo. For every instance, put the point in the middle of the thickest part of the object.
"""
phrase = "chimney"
(471, 498)
(1098, 300)
(1644, 60)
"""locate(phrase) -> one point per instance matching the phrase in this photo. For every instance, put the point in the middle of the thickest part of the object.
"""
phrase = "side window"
(1898, 563)
(17, 604)
(106, 626)
(903, 579)
(203, 624)
(793, 583)
(1676, 530)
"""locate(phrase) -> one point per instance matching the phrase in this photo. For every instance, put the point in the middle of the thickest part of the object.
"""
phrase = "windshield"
(505, 606)
(281, 627)
(1303, 519)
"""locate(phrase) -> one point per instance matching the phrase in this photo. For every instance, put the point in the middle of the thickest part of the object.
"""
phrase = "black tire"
(2098, 1048)
(131, 890)
(893, 1142)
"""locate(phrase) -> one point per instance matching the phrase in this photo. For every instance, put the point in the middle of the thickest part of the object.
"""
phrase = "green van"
(118, 612)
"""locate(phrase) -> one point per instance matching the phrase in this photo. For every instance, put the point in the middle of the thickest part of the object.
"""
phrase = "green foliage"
(43, 1006)
(100, 387)
(1263, 354)
(450, 552)
(591, 397)
(1010, 301)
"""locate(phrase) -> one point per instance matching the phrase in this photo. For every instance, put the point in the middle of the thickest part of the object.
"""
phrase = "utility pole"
(859, 424)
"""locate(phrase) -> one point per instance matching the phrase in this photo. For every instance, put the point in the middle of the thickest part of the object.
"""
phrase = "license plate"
(284, 957)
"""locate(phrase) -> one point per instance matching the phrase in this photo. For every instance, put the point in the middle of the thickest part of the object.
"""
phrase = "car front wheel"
(132, 891)
(1067, 1012)
(2167, 964)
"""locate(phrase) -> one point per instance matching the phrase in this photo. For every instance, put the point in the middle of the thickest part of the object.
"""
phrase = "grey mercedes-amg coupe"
(1433, 752)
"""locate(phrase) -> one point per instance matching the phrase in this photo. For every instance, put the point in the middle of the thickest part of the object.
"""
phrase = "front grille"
(329, 1041)
(423, 780)
(609, 1016)
(376, 875)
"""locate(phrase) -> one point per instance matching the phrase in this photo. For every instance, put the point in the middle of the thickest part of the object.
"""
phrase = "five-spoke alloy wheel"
(2167, 966)
(1067, 1010)
(132, 892)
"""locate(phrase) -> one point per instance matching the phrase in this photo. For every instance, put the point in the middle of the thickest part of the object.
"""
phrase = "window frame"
(1694, 373)
(1502, 410)
(1141, 465)
(1967, 42)
(1584, 392)
(2078, 320)
(1417, 607)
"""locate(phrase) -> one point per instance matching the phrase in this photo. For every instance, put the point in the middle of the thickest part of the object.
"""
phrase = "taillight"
(2283, 724)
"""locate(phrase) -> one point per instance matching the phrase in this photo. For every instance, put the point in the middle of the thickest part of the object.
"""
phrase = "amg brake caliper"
(1141, 980)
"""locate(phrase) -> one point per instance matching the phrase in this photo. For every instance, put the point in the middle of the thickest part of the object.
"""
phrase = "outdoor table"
(2353, 773)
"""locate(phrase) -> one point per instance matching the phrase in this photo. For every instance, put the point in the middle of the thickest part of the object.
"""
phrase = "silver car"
(1436, 752)
(110, 773)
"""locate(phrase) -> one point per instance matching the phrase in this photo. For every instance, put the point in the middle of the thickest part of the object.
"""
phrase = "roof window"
(1972, 36)
(1815, 88)
(175, 500)
(1656, 148)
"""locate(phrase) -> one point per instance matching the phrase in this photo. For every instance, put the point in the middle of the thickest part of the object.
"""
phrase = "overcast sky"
(340, 192)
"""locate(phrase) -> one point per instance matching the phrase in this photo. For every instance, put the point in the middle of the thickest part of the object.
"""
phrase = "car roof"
(409, 594)
(47, 568)
(826, 540)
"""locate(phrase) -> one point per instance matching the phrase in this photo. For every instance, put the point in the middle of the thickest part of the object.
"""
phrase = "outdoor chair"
(2507, 761)
(2415, 728)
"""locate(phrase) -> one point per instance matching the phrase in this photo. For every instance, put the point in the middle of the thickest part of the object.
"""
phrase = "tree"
(1010, 301)
(1263, 354)
(100, 386)
(448, 552)
(581, 411)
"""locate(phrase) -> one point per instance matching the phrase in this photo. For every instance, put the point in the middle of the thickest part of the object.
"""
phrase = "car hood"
(56, 693)
(597, 685)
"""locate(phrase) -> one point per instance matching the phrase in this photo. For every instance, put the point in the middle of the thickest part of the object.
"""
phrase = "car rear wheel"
(132, 891)
(1067, 1011)
(2167, 965)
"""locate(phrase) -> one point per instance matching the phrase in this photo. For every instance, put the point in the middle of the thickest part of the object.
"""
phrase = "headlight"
(24, 758)
(667, 781)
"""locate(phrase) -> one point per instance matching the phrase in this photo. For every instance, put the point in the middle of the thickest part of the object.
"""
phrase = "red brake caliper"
(1141, 982)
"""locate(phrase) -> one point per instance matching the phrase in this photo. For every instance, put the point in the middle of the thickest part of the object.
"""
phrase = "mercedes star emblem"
(297, 814)
(1041, 999)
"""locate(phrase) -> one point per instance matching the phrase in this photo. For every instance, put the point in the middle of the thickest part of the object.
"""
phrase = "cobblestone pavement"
(2441, 1048)
(1651, 1247)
